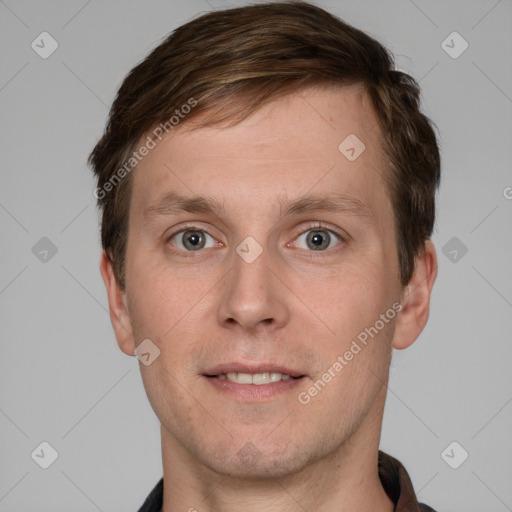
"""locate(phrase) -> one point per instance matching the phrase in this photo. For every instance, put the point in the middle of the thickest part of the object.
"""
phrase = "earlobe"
(416, 299)
(119, 314)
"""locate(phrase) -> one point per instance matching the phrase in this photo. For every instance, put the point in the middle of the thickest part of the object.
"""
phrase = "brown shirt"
(392, 474)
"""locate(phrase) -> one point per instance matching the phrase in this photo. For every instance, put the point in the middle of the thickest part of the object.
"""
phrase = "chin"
(258, 463)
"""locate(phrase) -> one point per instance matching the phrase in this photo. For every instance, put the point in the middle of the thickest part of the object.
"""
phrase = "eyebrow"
(173, 203)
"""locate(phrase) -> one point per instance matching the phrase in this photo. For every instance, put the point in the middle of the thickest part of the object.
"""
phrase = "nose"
(253, 297)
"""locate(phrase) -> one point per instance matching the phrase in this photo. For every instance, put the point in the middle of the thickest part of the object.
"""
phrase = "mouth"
(256, 379)
(253, 385)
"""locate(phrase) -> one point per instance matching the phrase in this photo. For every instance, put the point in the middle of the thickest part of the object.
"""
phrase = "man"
(267, 185)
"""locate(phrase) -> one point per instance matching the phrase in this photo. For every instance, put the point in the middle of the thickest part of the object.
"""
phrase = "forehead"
(301, 143)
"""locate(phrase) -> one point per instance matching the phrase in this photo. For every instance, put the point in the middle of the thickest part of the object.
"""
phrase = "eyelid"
(319, 225)
(190, 227)
(315, 225)
(311, 253)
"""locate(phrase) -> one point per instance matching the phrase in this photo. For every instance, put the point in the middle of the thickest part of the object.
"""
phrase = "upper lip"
(252, 368)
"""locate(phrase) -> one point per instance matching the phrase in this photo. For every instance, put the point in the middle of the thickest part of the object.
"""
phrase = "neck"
(344, 481)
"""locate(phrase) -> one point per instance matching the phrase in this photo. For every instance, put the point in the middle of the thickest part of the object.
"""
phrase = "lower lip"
(253, 392)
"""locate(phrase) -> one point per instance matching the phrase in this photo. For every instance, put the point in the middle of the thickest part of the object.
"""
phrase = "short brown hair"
(229, 63)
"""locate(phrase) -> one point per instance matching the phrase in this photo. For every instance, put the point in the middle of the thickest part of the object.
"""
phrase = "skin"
(292, 305)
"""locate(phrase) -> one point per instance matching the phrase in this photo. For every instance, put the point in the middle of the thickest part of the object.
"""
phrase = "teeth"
(255, 378)
(260, 378)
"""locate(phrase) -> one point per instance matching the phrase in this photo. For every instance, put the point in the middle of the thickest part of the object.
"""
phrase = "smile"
(254, 387)
(257, 379)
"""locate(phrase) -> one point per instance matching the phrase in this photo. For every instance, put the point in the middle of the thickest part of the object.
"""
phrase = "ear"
(416, 298)
(119, 315)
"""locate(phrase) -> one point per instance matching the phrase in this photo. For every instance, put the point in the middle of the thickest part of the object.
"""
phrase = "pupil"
(194, 240)
(319, 240)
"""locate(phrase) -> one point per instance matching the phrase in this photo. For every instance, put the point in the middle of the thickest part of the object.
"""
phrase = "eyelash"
(316, 226)
(321, 226)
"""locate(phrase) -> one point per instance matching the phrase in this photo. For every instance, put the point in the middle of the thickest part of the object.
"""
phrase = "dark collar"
(392, 474)
(398, 485)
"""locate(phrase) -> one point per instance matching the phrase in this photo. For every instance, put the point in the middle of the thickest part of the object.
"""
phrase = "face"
(283, 267)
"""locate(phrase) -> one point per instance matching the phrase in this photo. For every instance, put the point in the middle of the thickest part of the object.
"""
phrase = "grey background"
(63, 379)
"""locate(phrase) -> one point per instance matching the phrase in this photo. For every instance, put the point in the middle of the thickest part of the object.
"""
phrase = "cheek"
(170, 313)
(352, 299)
(351, 305)
(158, 299)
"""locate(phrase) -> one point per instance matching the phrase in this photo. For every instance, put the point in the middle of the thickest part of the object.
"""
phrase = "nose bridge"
(251, 296)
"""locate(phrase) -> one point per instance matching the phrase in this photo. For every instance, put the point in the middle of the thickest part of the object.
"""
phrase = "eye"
(317, 239)
(192, 240)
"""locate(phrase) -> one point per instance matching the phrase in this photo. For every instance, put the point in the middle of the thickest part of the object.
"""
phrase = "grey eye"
(191, 239)
(317, 239)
